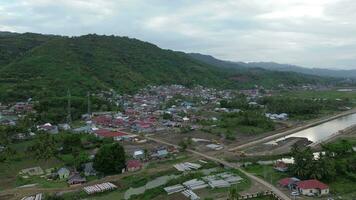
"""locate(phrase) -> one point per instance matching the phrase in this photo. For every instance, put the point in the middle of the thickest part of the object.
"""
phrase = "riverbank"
(351, 130)
(294, 130)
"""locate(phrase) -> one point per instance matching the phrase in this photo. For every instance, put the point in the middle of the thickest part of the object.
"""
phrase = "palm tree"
(233, 193)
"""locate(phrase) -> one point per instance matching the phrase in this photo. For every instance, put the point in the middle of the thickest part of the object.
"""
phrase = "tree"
(324, 168)
(339, 148)
(303, 161)
(44, 146)
(71, 143)
(80, 159)
(183, 145)
(146, 153)
(110, 159)
(167, 116)
(233, 193)
(6, 154)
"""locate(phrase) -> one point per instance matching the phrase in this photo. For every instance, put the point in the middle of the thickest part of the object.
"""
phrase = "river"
(323, 131)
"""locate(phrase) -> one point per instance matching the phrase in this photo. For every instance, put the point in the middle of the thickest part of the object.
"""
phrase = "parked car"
(294, 193)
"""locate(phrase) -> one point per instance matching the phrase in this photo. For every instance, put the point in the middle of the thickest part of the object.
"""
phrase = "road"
(231, 165)
(291, 131)
(17, 193)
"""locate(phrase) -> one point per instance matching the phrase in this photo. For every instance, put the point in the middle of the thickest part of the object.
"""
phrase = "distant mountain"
(35, 65)
(276, 66)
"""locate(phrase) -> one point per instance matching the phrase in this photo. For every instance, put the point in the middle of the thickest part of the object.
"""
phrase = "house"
(138, 154)
(83, 129)
(75, 179)
(63, 173)
(64, 127)
(281, 166)
(89, 169)
(162, 153)
(312, 187)
(7, 122)
(290, 182)
(103, 120)
(133, 165)
(49, 128)
(104, 133)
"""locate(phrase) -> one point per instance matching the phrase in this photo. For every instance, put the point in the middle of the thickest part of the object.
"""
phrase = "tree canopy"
(110, 159)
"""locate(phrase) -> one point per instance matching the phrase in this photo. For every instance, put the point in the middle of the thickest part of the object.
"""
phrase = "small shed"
(63, 173)
(281, 166)
(162, 153)
(75, 179)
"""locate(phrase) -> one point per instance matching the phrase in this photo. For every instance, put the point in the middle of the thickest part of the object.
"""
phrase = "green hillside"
(34, 65)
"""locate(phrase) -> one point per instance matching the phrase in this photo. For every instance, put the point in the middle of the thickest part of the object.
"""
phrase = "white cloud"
(306, 32)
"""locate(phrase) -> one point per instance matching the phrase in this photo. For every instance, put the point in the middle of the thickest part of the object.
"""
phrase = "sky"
(310, 33)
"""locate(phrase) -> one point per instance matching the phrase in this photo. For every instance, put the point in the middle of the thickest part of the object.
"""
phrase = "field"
(329, 94)
(22, 160)
(140, 179)
(266, 172)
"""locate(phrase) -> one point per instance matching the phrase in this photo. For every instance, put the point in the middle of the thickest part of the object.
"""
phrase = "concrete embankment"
(346, 131)
(293, 130)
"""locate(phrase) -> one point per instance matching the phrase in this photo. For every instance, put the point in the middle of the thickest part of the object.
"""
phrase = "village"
(157, 127)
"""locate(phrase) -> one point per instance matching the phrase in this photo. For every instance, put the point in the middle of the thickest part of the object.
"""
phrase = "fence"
(260, 194)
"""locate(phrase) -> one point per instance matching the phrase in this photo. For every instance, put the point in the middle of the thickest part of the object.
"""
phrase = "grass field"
(266, 172)
(327, 94)
(21, 160)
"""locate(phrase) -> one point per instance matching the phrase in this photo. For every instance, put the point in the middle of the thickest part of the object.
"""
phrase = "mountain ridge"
(36, 65)
(342, 73)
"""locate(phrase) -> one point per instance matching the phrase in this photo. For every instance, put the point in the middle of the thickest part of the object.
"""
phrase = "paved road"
(291, 131)
(231, 165)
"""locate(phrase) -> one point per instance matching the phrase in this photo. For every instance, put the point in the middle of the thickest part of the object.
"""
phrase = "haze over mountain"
(49, 65)
(275, 66)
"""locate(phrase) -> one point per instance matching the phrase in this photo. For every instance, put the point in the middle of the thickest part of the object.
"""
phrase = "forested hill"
(35, 65)
(275, 67)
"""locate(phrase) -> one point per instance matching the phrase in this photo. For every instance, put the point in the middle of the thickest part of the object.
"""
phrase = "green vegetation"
(43, 151)
(110, 159)
(337, 166)
(247, 122)
(93, 63)
(309, 104)
(54, 109)
(44, 146)
(43, 66)
(304, 107)
(324, 94)
(152, 193)
(237, 103)
(266, 172)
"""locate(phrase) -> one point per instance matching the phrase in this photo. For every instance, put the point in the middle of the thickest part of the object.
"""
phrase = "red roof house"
(103, 120)
(104, 133)
(289, 182)
(312, 187)
(133, 165)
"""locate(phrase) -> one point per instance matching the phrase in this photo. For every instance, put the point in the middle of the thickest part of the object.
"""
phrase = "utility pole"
(89, 111)
(69, 113)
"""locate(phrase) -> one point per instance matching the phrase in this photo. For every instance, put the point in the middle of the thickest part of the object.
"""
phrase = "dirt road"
(231, 165)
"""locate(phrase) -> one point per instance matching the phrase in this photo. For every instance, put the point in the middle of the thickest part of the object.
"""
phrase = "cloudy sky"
(312, 33)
